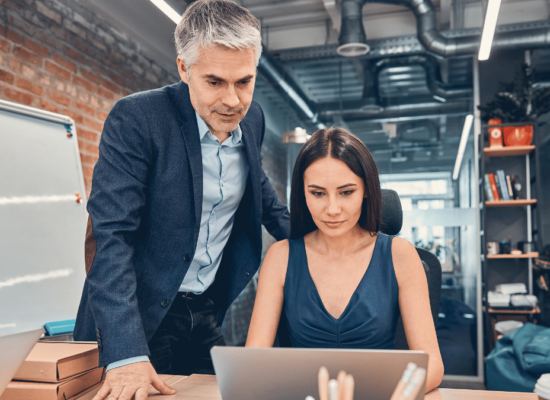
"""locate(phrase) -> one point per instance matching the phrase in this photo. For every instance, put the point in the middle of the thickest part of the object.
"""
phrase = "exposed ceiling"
(302, 35)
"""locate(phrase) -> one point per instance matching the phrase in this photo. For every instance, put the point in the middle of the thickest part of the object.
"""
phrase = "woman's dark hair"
(342, 145)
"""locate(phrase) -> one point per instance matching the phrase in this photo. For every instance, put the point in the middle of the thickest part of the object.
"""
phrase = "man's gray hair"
(211, 23)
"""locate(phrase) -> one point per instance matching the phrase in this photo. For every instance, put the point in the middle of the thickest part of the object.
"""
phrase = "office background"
(407, 104)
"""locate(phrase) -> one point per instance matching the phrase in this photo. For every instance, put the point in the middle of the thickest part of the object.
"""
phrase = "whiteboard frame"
(56, 118)
(35, 112)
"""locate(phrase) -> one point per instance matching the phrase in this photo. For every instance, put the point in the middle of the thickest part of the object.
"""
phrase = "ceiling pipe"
(433, 79)
(274, 74)
(352, 110)
(415, 125)
(430, 36)
(288, 89)
(353, 41)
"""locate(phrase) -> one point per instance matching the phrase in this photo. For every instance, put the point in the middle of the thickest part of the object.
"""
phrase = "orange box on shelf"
(495, 133)
(64, 390)
(57, 361)
(518, 135)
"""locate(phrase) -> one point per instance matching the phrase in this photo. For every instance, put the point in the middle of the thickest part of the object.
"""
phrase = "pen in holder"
(340, 388)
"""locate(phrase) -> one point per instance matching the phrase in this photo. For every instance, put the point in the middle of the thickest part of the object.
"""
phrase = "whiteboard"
(42, 226)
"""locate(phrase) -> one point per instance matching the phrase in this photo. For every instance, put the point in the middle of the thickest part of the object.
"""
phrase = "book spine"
(516, 186)
(494, 187)
(488, 191)
(503, 184)
(499, 190)
(509, 183)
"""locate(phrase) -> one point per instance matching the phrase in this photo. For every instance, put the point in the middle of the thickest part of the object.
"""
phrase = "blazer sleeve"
(275, 216)
(115, 206)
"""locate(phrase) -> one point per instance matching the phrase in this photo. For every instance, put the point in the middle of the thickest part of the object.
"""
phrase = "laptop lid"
(14, 348)
(246, 373)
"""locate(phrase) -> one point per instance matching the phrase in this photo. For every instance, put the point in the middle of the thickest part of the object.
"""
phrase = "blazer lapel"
(191, 138)
(253, 156)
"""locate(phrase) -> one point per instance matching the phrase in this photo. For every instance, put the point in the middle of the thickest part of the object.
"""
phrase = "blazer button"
(164, 303)
(187, 257)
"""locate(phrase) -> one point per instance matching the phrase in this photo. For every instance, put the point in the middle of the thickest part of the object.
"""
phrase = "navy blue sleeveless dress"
(370, 318)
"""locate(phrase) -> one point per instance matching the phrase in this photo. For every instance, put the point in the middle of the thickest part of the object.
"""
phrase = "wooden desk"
(205, 387)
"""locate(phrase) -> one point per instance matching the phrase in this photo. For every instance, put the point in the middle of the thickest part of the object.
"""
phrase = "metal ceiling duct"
(352, 112)
(286, 87)
(428, 33)
(353, 41)
(433, 80)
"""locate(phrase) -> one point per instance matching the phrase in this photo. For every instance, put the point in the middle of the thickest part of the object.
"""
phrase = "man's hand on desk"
(134, 379)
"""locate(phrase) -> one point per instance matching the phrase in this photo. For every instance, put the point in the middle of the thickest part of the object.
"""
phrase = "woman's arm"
(269, 298)
(414, 303)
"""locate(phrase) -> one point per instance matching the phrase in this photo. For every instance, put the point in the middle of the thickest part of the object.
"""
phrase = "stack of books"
(56, 371)
(500, 186)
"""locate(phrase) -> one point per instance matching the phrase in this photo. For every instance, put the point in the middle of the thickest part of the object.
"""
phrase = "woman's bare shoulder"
(406, 261)
(276, 261)
(401, 247)
(279, 249)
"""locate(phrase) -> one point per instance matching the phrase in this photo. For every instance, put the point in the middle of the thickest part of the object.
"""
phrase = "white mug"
(492, 248)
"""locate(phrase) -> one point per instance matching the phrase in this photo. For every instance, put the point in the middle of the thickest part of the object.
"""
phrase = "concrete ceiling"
(142, 21)
(302, 23)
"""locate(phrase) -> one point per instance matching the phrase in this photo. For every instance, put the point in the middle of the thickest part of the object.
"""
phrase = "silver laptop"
(246, 373)
(13, 350)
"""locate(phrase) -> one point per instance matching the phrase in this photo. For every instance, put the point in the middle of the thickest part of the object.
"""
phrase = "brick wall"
(58, 56)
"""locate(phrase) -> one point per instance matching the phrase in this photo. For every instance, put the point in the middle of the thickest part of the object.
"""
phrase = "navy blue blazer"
(145, 212)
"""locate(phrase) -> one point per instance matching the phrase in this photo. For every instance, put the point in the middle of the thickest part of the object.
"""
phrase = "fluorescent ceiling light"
(463, 140)
(166, 9)
(489, 30)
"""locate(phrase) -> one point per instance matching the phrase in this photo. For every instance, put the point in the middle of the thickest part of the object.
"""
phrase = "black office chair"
(392, 221)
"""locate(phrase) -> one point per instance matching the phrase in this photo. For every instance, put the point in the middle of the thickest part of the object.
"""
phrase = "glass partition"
(439, 215)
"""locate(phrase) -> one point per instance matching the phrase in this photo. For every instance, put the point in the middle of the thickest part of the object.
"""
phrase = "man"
(176, 208)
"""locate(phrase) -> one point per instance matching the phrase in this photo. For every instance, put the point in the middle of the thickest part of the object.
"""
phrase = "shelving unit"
(501, 256)
(508, 151)
(510, 203)
(490, 220)
(514, 312)
(527, 202)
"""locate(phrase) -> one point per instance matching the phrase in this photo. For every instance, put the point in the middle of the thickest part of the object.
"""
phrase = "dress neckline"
(353, 294)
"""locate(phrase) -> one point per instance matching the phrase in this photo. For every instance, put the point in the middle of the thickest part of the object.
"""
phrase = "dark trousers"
(181, 345)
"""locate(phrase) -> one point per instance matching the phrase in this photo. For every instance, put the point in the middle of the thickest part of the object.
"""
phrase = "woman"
(339, 282)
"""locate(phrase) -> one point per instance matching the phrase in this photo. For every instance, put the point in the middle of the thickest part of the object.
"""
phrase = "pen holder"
(505, 247)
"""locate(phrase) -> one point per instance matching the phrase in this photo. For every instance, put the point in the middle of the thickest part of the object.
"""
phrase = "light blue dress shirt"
(225, 172)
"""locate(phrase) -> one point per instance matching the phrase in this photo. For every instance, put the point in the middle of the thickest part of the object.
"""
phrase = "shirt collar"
(236, 134)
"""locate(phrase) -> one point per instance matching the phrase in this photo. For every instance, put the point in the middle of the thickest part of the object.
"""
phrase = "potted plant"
(518, 101)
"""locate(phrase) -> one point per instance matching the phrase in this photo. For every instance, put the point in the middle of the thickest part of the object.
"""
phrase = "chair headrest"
(392, 213)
